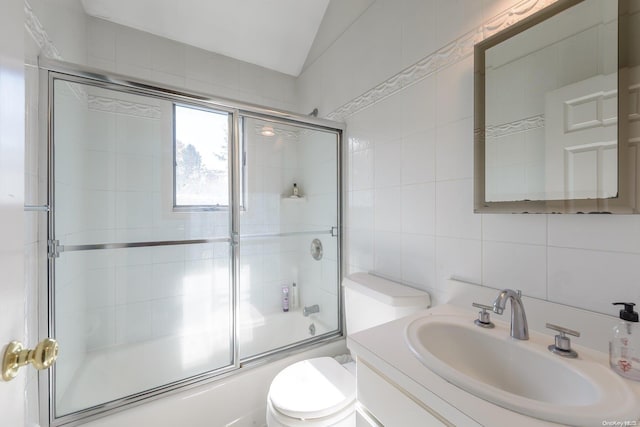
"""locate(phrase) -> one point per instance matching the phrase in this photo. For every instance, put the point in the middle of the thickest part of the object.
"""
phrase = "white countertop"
(385, 348)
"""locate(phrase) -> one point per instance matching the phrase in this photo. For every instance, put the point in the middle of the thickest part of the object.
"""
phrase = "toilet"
(321, 392)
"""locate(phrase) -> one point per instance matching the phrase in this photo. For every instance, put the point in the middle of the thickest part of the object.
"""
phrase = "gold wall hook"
(16, 356)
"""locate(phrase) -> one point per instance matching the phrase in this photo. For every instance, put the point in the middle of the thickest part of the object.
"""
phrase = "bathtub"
(235, 400)
(262, 333)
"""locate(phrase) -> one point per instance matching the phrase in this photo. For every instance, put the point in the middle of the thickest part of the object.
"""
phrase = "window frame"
(174, 163)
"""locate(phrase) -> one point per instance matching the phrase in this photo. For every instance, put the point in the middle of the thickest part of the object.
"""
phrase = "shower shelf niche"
(294, 199)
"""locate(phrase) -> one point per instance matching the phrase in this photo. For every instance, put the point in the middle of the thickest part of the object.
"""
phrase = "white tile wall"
(454, 210)
(117, 48)
(515, 265)
(454, 92)
(418, 214)
(388, 209)
(362, 166)
(387, 164)
(454, 160)
(527, 229)
(418, 30)
(585, 261)
(387, 253)
(418, 259)
(418, 157)
(459, 258)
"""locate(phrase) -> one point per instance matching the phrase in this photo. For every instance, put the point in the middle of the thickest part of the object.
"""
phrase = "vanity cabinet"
(390, 405)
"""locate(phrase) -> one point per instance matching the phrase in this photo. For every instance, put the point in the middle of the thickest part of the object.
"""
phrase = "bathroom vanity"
(397, 387)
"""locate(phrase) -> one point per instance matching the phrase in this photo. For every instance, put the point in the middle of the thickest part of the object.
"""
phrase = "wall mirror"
(557, 103)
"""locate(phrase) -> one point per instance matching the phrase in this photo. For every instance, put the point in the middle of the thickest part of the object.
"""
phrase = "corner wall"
(12, 218)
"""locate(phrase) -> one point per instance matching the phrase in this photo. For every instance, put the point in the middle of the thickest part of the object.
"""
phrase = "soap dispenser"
(624, 347)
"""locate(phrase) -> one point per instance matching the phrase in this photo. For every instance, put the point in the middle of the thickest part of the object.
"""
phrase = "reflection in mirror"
(551, 108)
(547, 110)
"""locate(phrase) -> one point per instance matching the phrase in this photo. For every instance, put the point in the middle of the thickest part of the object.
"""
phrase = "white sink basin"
(521, 375)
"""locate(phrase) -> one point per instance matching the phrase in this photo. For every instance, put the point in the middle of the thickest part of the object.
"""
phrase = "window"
(201, 158)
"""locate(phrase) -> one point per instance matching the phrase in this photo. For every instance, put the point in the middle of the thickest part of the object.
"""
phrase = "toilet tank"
(371, 300)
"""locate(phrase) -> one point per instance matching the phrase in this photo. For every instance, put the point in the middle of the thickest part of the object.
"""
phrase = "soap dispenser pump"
(624, 347)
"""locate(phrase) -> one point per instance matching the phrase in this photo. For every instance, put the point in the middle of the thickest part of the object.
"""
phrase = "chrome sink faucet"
(519, 328)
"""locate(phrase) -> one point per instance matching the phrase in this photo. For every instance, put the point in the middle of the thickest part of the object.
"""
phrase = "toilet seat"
(312, 388)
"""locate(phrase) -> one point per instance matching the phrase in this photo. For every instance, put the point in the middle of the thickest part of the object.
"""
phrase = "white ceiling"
(276, 34)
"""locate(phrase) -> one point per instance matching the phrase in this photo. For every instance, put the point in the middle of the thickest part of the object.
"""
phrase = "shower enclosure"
(174, 236)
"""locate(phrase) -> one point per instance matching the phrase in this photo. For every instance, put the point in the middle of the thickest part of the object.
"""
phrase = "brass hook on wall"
(16, 356)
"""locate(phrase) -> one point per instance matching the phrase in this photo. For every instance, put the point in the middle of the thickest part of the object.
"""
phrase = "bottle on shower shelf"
(285, 298)
(296, 192)
(295, 296)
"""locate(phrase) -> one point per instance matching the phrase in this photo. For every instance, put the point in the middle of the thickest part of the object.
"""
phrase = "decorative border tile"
(103, 103)
(521, 125)
(440, 59)
(279, 132)
(35, 28)
(96, 103)
(39, 35)
(514, 15)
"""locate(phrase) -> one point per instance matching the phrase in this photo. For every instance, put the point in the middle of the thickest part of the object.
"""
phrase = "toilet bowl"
(321, 392)
(313, 392)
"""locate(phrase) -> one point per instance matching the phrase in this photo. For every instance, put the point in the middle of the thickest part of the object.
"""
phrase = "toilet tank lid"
(387, 291)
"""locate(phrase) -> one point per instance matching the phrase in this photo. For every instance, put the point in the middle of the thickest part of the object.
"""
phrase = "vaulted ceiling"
(276, 34)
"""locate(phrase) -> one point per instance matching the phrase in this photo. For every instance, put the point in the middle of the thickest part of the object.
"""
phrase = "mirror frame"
(625, 202)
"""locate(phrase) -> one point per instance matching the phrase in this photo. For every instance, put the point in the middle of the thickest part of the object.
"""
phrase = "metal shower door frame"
(51, 71)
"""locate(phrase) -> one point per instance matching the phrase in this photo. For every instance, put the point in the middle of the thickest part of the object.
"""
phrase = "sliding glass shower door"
(291, 205)
(142, 252)
(186, 239)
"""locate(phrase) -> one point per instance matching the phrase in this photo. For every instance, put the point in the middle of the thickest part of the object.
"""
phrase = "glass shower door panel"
(116, 159)
(129, 320)
(143, 289)
(277, 228)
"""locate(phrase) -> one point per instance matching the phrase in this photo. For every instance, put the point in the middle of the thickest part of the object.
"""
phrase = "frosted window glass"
(201, 157)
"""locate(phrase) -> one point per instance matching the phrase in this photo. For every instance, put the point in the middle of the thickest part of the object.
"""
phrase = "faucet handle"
(563, 330)
(484, 319)
(562, 344)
